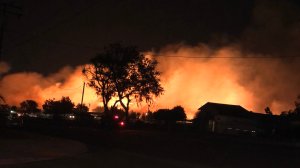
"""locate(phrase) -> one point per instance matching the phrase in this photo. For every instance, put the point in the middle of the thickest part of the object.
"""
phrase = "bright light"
(122, 123)
(116, 117)
(71, 117)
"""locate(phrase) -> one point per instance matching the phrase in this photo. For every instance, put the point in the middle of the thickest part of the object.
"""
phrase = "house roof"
(227, 109)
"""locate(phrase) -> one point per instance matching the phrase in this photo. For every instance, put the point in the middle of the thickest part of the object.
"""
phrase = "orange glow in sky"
(210, 76)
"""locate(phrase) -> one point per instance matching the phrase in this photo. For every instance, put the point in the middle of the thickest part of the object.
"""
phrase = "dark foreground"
(132, 148)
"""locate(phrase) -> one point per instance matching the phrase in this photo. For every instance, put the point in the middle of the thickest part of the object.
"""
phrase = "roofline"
(222, 104)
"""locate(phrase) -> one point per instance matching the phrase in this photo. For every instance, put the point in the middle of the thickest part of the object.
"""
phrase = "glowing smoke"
(30, 85)
(195, 75)
(191, 76)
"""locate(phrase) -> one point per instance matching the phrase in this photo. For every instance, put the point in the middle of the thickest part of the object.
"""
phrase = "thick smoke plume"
(195, 75)
(18, 87)
(260, 69)
(191, 76)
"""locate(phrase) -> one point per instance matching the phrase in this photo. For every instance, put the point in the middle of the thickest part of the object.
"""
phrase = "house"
(229, 119)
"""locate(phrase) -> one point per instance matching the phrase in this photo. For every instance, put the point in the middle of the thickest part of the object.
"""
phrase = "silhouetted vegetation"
(81, 108)
(2, 100)
(58, 107)
(124, 73)
(4, 107)
(290, 121)
(29, 106)
(268, 111)
(167, 115)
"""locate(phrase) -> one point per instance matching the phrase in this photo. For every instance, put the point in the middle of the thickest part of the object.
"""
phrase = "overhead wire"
(238, 57)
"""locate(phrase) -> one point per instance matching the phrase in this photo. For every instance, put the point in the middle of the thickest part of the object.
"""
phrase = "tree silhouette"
(124, 73)
(4, 108)
(29, 106)
(161, 115)
(175, 114)
(297, 105)
(2, 100)
(294, 113)
(178, 113)
(65, 105)
(99, 76)
(81, 108)
(268, 111)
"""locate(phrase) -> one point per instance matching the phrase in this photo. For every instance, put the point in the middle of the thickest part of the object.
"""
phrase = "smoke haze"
(194, 75)
(191, 76)
(257, 69)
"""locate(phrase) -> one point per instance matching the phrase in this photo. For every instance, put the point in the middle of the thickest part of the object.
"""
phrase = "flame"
(191, 76)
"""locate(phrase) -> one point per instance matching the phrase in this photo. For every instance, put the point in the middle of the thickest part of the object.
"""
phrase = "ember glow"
(191, 76)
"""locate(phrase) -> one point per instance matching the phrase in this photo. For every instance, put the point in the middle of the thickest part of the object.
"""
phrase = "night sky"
(44, 47)
(56, 33)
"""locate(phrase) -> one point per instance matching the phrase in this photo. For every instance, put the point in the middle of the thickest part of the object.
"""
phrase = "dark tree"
(100, 77)
(175, 114)
(2, 100)
(65, 105)
(29, 106)
(4, 108)
(178, 114)
(294, 113)
(268, 111)
(124, 73)
(161, 115)
(117, 111)
(81, 108)
(297, 106)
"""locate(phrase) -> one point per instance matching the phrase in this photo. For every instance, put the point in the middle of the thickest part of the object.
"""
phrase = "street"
(141, 148)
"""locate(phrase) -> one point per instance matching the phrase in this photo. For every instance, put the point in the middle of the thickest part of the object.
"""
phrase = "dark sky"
(52, 34)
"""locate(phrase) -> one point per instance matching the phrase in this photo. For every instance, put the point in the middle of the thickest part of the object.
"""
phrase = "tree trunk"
(105, 104)
(127, 110)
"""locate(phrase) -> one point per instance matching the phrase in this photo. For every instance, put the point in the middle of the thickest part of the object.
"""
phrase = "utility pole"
(6, 8)
(82, 97)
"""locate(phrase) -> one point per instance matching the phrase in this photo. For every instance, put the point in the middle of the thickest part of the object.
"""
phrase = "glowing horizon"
(191, 76)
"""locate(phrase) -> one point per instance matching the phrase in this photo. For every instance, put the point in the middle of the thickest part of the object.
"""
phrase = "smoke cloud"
(191, 76)
(18, 87)
(260, 69)
(194, 75)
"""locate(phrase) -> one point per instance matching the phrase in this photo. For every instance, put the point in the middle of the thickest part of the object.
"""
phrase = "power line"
(239, 57)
